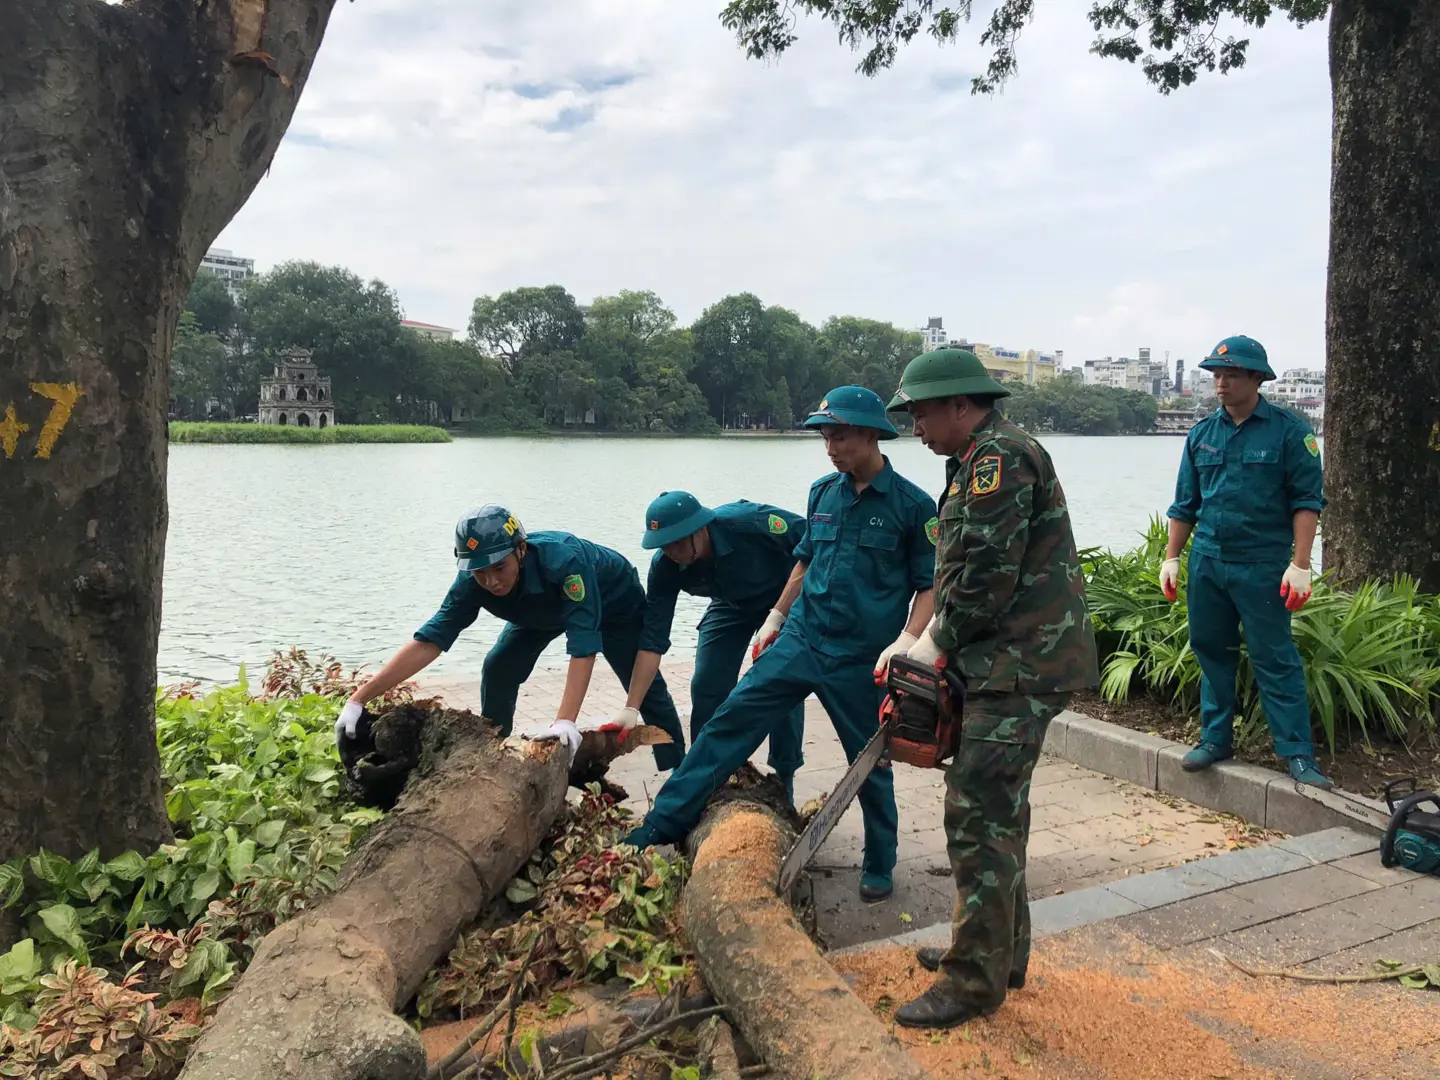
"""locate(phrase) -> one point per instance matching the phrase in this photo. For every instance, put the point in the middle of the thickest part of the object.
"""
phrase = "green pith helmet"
(1242, 353)
(944, 373)
(484, 536)
(673, 516)
(856, 406)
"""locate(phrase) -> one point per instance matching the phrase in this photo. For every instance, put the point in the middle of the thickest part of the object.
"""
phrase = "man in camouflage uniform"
(1010, 615)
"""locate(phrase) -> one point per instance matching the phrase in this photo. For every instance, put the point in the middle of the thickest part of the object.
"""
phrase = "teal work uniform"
(754, 553)
(866, 557)
(567, 585)
(1240, 487)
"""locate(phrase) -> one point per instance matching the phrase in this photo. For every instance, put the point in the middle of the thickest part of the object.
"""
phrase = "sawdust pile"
(1140, 1017)
(750, 838)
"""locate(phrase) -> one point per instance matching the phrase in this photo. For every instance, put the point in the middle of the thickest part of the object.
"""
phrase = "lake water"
(347, 549)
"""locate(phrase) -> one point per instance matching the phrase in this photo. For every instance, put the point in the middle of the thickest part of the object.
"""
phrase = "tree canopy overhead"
(1186, 35)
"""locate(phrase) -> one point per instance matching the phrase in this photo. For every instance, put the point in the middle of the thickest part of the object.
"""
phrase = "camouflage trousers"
(987, 827)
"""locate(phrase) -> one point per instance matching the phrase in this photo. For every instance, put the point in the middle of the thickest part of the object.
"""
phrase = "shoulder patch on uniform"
(778, 524)
(986, 477)
(932, 531)
(574, 587)
(1312, 445)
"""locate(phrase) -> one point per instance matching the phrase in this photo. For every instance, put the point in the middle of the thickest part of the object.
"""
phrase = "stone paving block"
(1231, 787)
(1169, 886)
(1252, 864)
(1300, 938)
(1114, 750)
(1398, 907)
(844, 920)
(1302, 890)
(1289, 811)
(1417, 944)
(1055, 914)
(1368, 866)
(1196, 919)
(1329, 845)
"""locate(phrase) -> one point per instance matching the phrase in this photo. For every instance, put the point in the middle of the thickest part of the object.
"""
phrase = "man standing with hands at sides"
(1250, 490)
(864, 575)
(543, 585)
(741, 555)
(1010, 617)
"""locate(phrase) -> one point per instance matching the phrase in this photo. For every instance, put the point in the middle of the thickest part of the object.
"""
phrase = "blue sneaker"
(875, 888)
(1203, 756)
(1303, 770)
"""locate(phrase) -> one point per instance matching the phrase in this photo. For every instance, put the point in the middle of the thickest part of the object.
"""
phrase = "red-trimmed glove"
(766, 635)
(1295, 587)
(1170, 579)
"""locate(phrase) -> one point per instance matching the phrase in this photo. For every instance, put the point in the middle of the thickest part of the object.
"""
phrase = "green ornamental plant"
(1371, 655)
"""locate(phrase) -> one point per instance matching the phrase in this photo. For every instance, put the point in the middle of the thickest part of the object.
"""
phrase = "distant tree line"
(535, 359)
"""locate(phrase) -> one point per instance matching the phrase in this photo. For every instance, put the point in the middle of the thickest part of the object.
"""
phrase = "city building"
(1143, 376)
(429, 330)
(1302, 390)
(230, 268)
(296, 393)
(1029, 366)
(934, 335)
(1179, 376)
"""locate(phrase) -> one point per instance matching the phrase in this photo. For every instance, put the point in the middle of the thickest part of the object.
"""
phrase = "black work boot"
(938, 1008)
(929, 957)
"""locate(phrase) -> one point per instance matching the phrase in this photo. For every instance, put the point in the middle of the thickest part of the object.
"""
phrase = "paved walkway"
(1149, 955)
(1086, 828)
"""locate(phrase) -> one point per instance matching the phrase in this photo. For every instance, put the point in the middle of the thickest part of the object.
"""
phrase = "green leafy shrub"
(262, 827)
(182, 431)
(590, 911)
(1372, 655)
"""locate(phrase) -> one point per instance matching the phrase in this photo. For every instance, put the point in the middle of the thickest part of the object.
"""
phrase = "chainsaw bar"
(828, 815)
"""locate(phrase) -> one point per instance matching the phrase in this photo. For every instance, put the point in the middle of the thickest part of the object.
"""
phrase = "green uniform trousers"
(512, 658)
(724, 636)
(987, 827)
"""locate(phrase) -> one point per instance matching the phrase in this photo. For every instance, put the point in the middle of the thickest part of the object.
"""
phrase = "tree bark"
(319, 998)
(1382, 400)
(793, 1009)
(129, 136)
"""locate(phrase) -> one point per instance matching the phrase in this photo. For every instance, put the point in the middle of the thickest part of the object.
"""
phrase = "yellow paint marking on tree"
(1435, 436)
(64, 395)
(10, 431)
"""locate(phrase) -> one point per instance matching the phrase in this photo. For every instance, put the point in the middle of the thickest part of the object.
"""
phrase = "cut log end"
(792, 1007)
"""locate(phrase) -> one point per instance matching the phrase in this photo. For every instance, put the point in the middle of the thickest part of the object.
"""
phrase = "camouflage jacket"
(1009, 595)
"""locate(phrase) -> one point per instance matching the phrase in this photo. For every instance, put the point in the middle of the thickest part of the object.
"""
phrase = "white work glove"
(766, 635)
(567, 733)
(901, 645)
(627, 718)
(1295, 587)
(1170, 579)
(924, 651)
(348, 718)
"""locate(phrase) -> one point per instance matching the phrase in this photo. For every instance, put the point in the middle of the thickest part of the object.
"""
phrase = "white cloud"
(456, 148)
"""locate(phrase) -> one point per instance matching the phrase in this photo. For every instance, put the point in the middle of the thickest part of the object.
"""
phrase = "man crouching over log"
(543, 585)
(1010, 617)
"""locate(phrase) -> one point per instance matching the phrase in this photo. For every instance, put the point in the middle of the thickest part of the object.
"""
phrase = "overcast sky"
(456, 148)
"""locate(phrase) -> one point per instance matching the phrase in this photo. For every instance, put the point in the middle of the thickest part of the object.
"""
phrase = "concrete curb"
(1160, 888)
(1260, 796)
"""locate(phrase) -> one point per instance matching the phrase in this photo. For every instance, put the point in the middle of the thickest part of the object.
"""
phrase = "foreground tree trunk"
(792, 1007)
(319, 999)
(1382, 399)
(130, 135)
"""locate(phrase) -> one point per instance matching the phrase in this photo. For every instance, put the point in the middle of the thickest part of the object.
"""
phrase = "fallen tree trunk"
(792, 1007)
(320, 995)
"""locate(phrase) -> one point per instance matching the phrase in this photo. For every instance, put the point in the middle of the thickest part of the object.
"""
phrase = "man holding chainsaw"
(1010, 615)
(863, 578)
(543, 585)
(740, 554)
(1250, 490)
